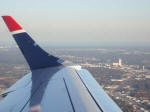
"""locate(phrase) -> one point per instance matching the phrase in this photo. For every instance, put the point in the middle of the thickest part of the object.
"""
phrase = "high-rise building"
(120, 62)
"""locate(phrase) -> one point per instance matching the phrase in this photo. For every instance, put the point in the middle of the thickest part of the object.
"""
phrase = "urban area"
(124, 73)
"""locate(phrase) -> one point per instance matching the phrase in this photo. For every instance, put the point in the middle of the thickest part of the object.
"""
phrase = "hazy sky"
(80, 22)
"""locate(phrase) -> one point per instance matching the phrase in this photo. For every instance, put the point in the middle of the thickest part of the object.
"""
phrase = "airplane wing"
(52, 85)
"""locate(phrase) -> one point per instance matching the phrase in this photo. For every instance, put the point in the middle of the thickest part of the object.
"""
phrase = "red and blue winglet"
(36, 57)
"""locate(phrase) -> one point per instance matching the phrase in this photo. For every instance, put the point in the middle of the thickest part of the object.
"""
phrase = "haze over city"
(81, 22)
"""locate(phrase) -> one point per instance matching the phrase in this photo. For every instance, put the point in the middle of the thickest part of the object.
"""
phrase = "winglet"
(35, 56)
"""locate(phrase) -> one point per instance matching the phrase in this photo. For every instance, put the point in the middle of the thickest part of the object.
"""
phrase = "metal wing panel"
(101, 98)
(23, 82)
(82, 101)
(56, 98)
(57, 90)
(16, 100)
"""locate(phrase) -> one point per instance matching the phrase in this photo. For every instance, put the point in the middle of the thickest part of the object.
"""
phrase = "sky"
(80, 22)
